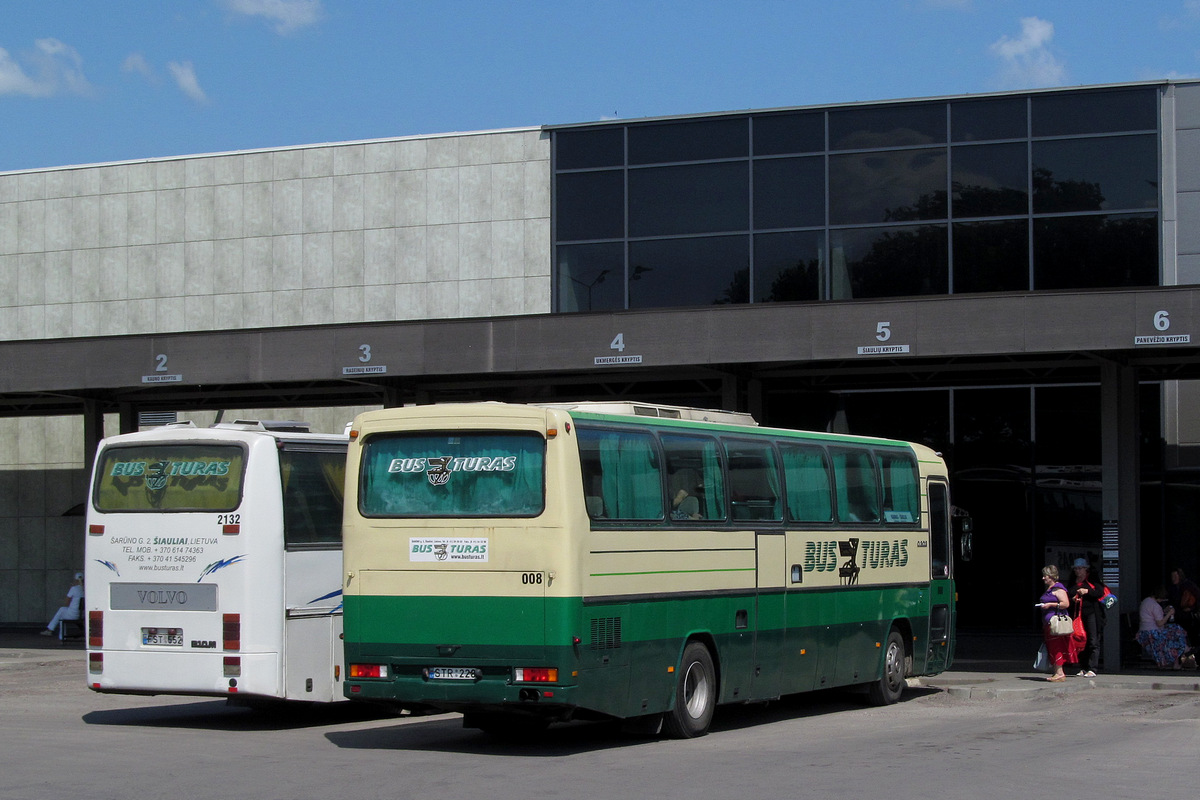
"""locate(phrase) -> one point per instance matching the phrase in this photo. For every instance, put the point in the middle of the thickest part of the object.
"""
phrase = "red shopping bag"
(1078, 638)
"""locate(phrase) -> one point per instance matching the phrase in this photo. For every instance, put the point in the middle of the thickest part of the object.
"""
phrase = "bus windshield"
(453, 475)
(170, 477)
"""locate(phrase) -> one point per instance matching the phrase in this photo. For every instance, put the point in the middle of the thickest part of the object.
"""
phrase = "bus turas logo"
(155, 477)
(454, 549)
(849, 557)
(156, 482)
(438, 469)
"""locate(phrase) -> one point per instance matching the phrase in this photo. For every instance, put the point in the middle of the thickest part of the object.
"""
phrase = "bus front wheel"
(891, 683)
(695, 694)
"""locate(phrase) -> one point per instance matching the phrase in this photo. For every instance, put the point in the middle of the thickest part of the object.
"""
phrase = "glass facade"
(1024, 462)
(1013, 193)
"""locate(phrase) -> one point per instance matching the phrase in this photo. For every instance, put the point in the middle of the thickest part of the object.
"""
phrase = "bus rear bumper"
(210, 674)
(542, 700)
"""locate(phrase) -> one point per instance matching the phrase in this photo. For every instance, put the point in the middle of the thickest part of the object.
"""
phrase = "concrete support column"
(128, 417)
(93, 431)
(1120, 498)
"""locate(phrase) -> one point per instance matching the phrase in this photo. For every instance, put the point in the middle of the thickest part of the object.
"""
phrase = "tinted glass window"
(887, 126)
(939, 530)
(1095, 251)
(689, 272)
(991, 256)
(990, 180)
(857, 486)
(776, 134)
(754, 489)
(700, 140)
(313, 485)
(983, 120)
(580, 149)
(591, 277)
(809, 488)
(1097, 174)
(170, 477)
(883, 262)
(697, 198)
(590, 205)
(789, 192)
(887, 186)
(788, 266)
(695, 484)
(453, 475)
(901, 488)
(1095, 112)
(621, 475)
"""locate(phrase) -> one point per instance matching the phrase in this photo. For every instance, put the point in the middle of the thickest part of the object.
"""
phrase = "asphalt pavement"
(986, 666)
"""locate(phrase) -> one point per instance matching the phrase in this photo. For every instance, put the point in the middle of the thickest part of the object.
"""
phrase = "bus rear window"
(170, 477)
(453, 475)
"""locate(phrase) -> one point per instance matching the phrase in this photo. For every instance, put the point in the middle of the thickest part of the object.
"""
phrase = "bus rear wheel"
(891, 683)
(695, 694)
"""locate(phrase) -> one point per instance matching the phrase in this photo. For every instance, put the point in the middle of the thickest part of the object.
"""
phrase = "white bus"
(214, 561)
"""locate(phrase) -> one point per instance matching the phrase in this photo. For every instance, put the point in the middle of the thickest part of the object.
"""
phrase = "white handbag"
(1061, 624)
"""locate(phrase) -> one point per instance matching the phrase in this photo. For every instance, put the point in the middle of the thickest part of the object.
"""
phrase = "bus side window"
(857, 486)
(695, 482)
(621, 475)
(939, 529)
(808, 484)
(754, 489)
(901, 498)
(313, 484)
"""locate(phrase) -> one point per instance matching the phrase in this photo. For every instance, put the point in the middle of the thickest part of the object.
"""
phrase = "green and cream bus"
(526, 564)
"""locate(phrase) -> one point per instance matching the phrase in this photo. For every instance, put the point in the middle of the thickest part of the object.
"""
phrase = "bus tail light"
(535, 674)
(231, 631)
(95, 629)
(233, 666)
(368, 671)
(95, 530)
(95, 663)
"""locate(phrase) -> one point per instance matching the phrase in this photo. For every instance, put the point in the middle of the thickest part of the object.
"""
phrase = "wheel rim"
(695, 690)
(894, 666)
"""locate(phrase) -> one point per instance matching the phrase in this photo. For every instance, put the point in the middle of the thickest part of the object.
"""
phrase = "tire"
(695, 694)
(891, 683)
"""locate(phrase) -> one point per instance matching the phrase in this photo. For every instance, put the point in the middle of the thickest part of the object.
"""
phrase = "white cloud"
(13, 79)
(286, 15)
(136, 62)
(185, 78)
(54, 68)
(1027, 60)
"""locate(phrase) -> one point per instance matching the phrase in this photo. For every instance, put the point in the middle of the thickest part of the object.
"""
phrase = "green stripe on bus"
(671, 572)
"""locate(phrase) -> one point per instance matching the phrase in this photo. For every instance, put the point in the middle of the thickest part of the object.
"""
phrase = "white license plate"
(452, 673)
(162, 637)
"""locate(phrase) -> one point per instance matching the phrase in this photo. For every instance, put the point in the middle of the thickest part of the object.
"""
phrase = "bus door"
(771, 618)
(312, 476)
(941, 585)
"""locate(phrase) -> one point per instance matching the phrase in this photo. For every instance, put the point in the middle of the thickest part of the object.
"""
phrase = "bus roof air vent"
(275, 425)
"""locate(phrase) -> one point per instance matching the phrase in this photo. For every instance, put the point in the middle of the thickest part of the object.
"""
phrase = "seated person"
(70, 610)
(685, 507)
(1159, 636)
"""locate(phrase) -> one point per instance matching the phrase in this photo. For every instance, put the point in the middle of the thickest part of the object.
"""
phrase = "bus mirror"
(965, 528)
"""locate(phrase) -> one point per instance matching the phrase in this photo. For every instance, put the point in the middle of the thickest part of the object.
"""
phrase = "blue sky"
(90, 82)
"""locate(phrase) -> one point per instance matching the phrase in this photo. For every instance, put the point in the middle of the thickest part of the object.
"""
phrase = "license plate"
(452, 673)
(162, 637)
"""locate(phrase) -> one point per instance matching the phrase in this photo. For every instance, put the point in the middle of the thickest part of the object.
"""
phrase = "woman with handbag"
(1057, 625)
(1088, 592)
